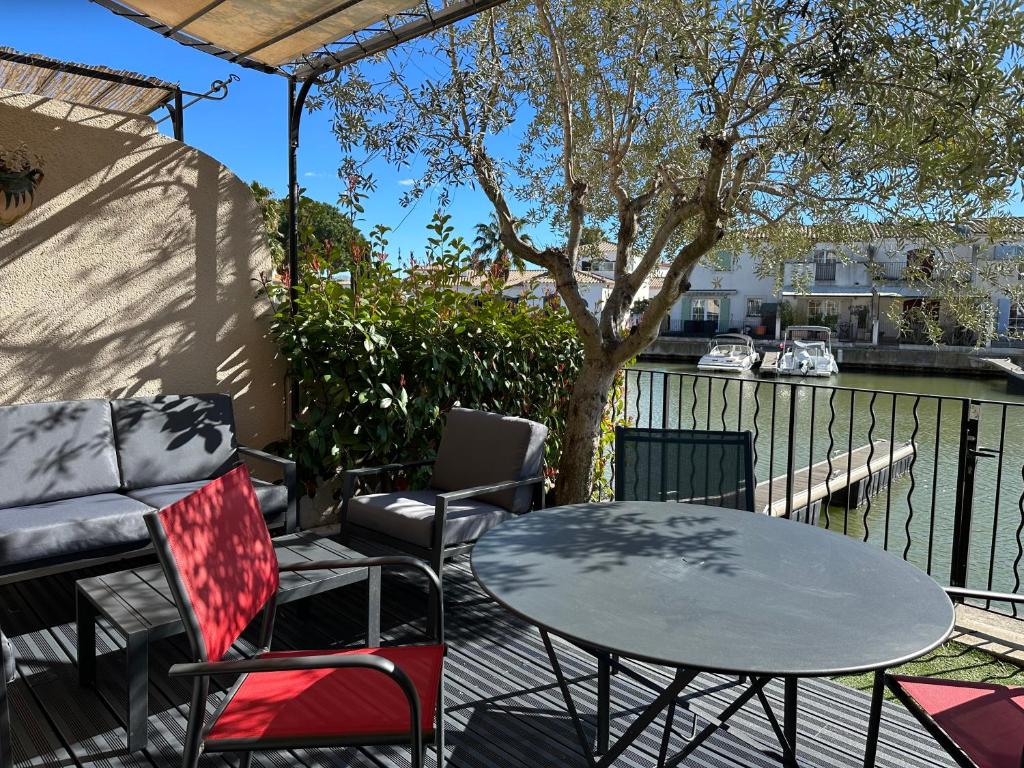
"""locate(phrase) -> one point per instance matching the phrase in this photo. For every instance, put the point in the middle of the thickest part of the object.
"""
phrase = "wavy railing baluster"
(871, 455)
(693, 408)
(888, 487)
(639, 394)
(828, 456)
(757, 427)
(913, 480)
(725, 402)
(1020, 547)
(935, 486)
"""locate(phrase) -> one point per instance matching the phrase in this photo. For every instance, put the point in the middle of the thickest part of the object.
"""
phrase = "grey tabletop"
(715, 589)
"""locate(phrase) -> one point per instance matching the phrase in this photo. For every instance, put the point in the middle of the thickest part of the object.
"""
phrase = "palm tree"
(487, 245)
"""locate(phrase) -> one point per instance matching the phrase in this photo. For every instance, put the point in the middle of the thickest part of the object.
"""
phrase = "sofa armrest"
(290, 476)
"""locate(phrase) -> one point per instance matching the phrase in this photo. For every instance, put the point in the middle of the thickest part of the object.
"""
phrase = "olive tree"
(681, 126)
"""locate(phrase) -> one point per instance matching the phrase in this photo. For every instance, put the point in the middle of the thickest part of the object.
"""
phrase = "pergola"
(301, 40)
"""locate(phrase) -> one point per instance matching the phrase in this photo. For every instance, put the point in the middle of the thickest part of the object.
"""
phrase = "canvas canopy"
(300, 38)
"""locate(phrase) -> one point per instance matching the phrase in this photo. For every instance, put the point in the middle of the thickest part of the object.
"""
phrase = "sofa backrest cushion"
(174, 439)
(60, 450)
(479, 448)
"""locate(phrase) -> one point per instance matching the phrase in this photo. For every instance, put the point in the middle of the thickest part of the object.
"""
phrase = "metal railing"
(930, 493)
(891, 270)
(824, 271)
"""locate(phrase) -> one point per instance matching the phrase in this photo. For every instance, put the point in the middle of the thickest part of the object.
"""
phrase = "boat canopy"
(740, 337)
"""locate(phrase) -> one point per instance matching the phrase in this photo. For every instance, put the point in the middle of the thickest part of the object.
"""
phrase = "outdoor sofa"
(76, 477)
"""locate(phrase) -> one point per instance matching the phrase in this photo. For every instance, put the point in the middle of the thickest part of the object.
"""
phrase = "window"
(1008, 252)
(704, 309)
(1016, 324)
(825, 257)
(753, 307)
(822, 307)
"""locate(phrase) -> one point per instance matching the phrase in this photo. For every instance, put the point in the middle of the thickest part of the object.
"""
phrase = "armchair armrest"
(981, 594)
(394, 561)
(290, 475)
(468, 493)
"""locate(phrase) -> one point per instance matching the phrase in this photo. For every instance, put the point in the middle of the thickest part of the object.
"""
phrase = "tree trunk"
(583, 427)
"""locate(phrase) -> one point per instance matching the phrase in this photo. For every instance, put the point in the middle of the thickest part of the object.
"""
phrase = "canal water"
(912, 518)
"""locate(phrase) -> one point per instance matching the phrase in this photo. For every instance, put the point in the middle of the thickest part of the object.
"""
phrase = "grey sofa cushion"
(273, 499)
(174, 438)
(56, 450)
(68, 527)
(409, 516)
(9, 671)
(479, 448)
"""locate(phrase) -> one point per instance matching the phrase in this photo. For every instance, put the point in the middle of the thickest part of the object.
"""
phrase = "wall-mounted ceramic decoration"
(20, 175)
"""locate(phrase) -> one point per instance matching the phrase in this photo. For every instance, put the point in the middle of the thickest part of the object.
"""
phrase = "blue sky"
(247, 131)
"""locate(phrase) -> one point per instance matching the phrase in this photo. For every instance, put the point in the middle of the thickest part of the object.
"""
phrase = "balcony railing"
(891, 270)
(930, 499)
(825, 272)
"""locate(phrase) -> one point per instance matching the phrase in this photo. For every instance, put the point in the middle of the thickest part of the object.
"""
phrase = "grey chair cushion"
(479, 448)
(174, 439)
(56, 450)
(70, 526)
(273, 499)
(7, 650)
(409, 516)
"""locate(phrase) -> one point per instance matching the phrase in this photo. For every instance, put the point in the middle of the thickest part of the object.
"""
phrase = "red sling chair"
(980, 725)
(222, 570)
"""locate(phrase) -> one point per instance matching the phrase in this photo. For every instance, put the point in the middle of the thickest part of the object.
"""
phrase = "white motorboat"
(729, 352)
(807, 351)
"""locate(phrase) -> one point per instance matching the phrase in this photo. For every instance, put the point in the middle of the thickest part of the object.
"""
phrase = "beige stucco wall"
(133, 273)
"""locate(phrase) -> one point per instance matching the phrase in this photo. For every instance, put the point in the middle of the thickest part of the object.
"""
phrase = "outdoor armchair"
(488, 468)
(980, 725)
(223, 573)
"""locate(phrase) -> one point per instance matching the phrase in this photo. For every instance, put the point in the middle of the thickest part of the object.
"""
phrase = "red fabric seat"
(332, 702)
(986, 721)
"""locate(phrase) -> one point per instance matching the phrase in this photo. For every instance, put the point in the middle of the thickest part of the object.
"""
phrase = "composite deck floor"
(503, 707)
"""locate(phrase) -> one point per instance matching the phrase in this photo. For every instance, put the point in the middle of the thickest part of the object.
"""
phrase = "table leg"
(86, 639)
(604, 665)
(138, 690)
(373, 607)
(789, 719)
(874, 718)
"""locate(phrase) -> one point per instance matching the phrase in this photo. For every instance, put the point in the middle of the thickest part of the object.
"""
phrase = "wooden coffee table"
(138, 604)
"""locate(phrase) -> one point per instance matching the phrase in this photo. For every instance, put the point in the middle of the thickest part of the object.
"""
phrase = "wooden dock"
(851, 476)
(1014, 373)
(769, 364)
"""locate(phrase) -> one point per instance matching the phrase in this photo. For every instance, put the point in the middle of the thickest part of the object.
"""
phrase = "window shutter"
(724, 319)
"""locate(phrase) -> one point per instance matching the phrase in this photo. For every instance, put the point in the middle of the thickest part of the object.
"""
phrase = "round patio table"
(707, 589)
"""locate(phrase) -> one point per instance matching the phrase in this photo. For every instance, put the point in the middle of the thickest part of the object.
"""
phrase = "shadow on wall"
(133, 274)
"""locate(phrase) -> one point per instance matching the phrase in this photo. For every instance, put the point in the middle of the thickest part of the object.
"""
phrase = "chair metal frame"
(6, 748)
(202, 669)
(944, 740)
(744, 440)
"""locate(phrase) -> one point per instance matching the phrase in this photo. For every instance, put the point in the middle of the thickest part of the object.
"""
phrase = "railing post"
(967, 463)
(790, 450)
(664, 400)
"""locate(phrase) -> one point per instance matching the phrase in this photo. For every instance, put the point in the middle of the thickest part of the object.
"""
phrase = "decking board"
(505, 710)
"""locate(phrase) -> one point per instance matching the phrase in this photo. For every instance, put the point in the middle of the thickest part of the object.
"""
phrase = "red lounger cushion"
(332, 702)
(985, 720)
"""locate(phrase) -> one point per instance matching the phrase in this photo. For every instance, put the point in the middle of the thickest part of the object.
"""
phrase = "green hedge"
(380, 362)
